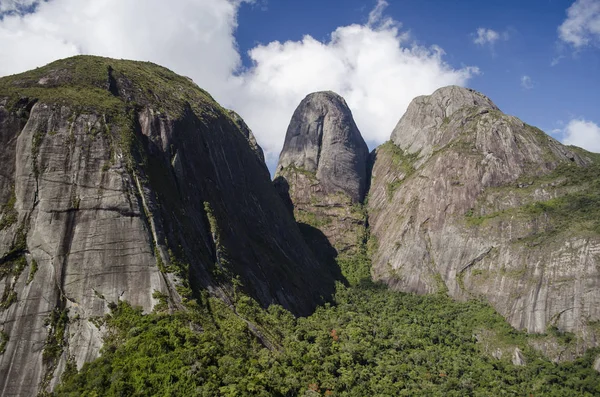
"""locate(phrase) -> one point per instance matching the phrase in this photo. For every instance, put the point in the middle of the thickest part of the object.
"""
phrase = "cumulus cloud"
(374, 66)
(582, 26)
(194, 38)
(485, 36)
(582, 133)
(526, 82)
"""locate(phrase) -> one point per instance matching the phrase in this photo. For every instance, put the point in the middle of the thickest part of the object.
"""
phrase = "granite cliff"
(123, 183)
(121, 180)
(468, 199)
(322, 175)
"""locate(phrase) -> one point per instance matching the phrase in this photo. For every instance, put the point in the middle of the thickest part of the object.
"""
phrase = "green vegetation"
(8, 212)
(8, 298)
(159, 262)
(57, 322)
(402, 161)
(212, 221)
(92, 83)
(38, 138)
(473, 220)
(355, 265)
(577, 208)
(3, 341)
(370, 341)
(390, 187)
(293, 169)
(12, 264)
(32, 270)
(312, 219)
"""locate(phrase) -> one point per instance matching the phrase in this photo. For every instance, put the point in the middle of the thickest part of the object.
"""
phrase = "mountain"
(467, 199)
(322, 175)
(144, 249)
(124, 182)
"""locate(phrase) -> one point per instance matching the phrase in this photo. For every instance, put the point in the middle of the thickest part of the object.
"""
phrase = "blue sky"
(537, 60)
(564, 81)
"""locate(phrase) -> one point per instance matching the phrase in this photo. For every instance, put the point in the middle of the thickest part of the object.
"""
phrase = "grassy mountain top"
(106, 85)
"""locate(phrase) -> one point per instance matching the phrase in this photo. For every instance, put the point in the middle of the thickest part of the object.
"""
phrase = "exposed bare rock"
(497, 354)
(245, 130)
(322, 174)
(323, 139)
(518, 358)
(120, 180)
(419, 129)
(489, 207)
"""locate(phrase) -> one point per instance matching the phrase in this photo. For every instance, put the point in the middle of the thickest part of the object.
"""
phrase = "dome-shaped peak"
(420, 129)
(324, 97)
(453, 97)
(323, 138)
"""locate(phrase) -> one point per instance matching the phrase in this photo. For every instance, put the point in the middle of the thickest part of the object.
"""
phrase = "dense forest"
(369, 341)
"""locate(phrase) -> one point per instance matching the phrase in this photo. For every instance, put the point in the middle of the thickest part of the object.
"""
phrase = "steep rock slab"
(322, 174)
(121, 180)
(247, 132)
(475, 201)
(323, 139)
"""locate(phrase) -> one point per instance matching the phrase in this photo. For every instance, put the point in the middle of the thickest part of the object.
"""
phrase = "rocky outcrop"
(322, 174)
(518, 358)
(123, 181)
(323, 139)
(467, 198)
(247, 133)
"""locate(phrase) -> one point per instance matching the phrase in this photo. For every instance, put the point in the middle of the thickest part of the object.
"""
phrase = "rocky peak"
(475, 202)
(323, 139)
(247, 133)
(422, 126)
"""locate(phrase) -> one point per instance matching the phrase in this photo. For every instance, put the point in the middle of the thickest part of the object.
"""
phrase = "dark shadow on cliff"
(322, 249)
(314, 238)
(283, 189)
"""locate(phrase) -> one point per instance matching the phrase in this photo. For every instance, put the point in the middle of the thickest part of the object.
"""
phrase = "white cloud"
(374, 66)
(582, 133)
(582, 26)
(377, 17)
(194, 38)
(485, 36)
(526, 82)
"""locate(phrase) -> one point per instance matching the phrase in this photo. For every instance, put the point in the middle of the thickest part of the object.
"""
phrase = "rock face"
(322, 174)
(467, 198)
(323, 139)
(518, 358)
(123, 181)
(245, 130)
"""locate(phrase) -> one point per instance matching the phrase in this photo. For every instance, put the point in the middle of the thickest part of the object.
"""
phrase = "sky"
(538, 60)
